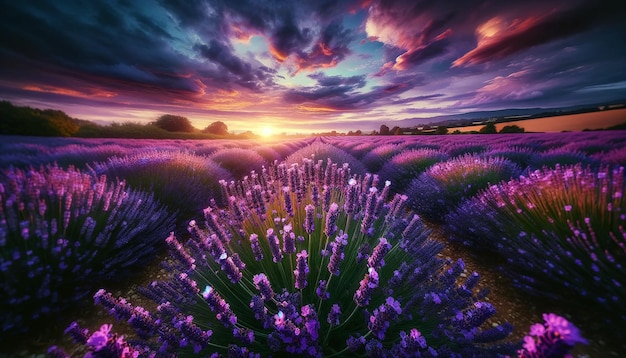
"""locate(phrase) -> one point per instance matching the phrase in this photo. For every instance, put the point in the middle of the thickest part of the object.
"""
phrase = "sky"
(310, 65)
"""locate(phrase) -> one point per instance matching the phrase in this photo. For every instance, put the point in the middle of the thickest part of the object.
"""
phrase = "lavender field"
(319, 246)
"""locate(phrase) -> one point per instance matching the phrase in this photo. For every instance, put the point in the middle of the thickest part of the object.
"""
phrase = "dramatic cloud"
(330, 64)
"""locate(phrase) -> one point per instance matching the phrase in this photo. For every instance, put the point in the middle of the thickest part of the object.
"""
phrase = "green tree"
(173, 123)
(218, 128)
(441, 130)
(512, 129)
(489, 128)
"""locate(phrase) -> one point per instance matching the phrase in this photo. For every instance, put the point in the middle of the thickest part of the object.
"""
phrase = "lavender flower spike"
(331, 219)
(376, 259)
(272, 239)
(309, 220)
(263, 285)
(302, 269)
(256, 247)
(367, 285)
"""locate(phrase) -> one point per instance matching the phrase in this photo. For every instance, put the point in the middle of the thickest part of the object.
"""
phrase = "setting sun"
(267, 131)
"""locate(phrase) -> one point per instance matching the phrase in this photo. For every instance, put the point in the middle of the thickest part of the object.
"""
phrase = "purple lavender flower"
(555, 338)
(337, 248)
(309, 221)
(368, 216)
(367, 285)
(333, 315)
(263, 285)
(256, 247)
(322, 290)
(274, 243)
(218, 305)
(289, 240)
(331, 219)
(376, 260)
(302, 269)
(383, 316)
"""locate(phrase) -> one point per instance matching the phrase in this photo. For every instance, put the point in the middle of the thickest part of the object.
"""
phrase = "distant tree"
(441, 130)
(489, 128)
(358, 132)
(384, 130)
(396, 130)
(35, 122)
(512, 129)
(218, 128)
(173, 123)
(456, 132)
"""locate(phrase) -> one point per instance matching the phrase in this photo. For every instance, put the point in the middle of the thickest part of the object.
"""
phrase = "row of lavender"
(180, 187)
(559, 226)
(311, 259)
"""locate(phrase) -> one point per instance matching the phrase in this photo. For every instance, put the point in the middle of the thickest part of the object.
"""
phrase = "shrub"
(457, 149)
(521, 156)
(340, 272)
(511, 129)
(561, 231)
(218, 128)
(445, 185)
(375, 159)
(324, 152)
(61, 233)
(172, 123)
(239, 162)
(180, 180)
(407, 165)
(557, 157)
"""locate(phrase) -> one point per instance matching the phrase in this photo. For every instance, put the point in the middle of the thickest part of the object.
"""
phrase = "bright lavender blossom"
(555, 338)
(333, 303)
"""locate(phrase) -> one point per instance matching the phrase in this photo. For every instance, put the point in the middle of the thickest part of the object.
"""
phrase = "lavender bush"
(325, 152)
(408, 165)
(312, 262)
(239, 162)
(556, 157)
(445, 185)
(561, 231)
(182, 181)
(62, 232)
(376, 158)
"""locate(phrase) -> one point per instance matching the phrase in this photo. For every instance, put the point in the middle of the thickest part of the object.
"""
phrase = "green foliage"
(489, 128)
(442, 130)
(173, 123)
(218, 128)
(35, 122)
(512, 129)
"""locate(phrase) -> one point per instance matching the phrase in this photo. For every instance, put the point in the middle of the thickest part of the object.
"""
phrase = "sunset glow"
(334, 65)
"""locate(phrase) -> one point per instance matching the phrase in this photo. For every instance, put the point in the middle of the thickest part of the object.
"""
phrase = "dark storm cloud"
(540, 31)
(241, 72)
(339, 93)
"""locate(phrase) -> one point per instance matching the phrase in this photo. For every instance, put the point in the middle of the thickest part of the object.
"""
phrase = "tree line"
(16, 120)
